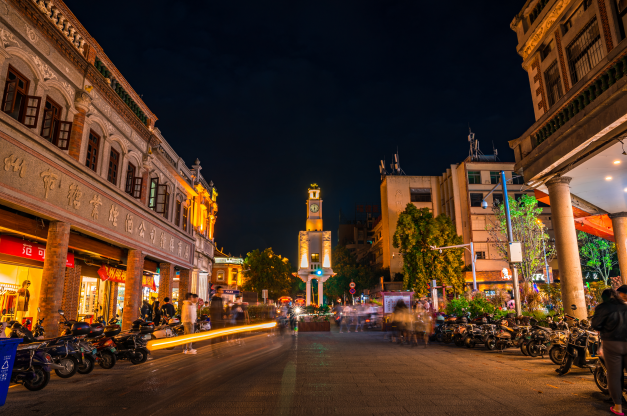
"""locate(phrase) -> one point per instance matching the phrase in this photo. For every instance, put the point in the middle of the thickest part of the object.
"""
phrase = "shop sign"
(149, 281)
(113, 274)
(229, 260)
(14, 246)
(230, 292)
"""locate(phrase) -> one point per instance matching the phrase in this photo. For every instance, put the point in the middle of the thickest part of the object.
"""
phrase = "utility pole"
(510, 241)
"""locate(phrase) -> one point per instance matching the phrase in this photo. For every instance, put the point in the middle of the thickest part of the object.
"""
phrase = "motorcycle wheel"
(458, 340)
(490, 344)
(439, 337)
(107, 360)
(600, 377)
(566, 365)
(533, 348)
(469, 343)
(42, 377)
(70, 364)
(89, 362)
(556, 354)
(142, 356)
(523, 348)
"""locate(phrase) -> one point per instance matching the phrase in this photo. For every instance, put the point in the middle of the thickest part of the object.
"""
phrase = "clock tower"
(314, 247)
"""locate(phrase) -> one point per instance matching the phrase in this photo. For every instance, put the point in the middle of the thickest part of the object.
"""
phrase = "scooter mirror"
(61, 312)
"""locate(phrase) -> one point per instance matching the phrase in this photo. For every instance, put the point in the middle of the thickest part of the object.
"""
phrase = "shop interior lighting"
(157, 344)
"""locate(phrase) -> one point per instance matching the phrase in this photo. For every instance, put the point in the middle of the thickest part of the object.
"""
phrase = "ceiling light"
(617, 162)
(608, 178)
(625, 189)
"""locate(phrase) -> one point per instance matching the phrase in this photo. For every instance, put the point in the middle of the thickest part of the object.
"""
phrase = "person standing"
(167, 310)
(188, 318)
(610, 319)
(347, 316)
(156, 313)
(146, 311)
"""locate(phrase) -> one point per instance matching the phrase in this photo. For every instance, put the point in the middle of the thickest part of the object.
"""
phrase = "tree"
(266, 270)
(416, 231)
(597, 255)
(348, 270)
(526, 229)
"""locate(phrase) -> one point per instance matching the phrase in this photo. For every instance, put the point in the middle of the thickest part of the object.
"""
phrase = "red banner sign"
(118, 275)
(112, 274)
(14, 246)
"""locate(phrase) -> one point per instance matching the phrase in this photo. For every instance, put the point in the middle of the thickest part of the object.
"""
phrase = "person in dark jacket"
(216, 312)
(167, 310)
(610, 319)
(146, 311)
(156, 312)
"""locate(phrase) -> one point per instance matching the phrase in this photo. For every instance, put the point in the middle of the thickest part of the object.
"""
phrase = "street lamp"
(514, 250)
(546, 265)
(473, 256)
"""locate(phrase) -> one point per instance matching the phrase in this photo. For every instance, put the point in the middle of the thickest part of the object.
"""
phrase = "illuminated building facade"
(314, 247)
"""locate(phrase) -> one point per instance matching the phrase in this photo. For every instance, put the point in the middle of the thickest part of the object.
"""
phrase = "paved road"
(318, 374)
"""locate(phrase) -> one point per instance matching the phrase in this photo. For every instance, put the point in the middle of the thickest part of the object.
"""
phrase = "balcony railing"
(537, 10)
(590, 92)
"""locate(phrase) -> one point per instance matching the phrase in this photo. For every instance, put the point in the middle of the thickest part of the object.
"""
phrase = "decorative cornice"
(558, 180)
(543, 28)
(82, 100)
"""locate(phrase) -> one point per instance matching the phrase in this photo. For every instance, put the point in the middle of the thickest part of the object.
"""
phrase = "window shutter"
(166, 205)
(129, 185)
(46, 127)
(137, 187)
(160, 203)
(8, 101)
(62, 138)
(32, 110)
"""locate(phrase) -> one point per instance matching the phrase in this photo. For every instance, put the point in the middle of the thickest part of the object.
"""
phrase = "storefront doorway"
(19, 292)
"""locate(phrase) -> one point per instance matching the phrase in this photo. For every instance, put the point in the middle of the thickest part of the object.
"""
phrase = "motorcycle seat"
(508, 329)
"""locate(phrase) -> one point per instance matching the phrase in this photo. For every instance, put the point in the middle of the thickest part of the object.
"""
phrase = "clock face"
(314, 208)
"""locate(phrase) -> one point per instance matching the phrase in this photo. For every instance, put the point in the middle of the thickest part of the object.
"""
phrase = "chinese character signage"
(14, 246)
(113, 274)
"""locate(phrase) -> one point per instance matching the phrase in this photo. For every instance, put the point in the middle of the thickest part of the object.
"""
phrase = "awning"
(598, 225)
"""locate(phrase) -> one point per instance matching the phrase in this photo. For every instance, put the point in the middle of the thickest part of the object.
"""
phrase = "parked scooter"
(581, 350)
(132, 345)
(88, 352)
(32, 366)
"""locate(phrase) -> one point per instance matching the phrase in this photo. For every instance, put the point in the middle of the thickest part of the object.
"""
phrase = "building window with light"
(221, 276)
(474, 177)
(315, 257)
(585, 51)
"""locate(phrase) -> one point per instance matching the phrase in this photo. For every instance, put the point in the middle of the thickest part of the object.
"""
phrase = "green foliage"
(597, 255)
(457, 306)
(526, 229)
(266, 270)
(348, 270)
(552, 295)
(416, 231)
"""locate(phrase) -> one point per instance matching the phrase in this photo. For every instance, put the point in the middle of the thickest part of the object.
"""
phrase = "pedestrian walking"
(146, 311)
(188, 318)
(167, 310)
(347, 316)
(610, 319)
(156, 313)
(216, 312)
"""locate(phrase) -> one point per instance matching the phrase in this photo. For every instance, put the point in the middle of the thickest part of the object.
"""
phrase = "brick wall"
(132, 287)
(53, 276)
(71, 292)
(166, 277)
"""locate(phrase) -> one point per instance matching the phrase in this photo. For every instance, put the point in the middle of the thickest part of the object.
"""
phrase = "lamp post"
(473, 258)
(513, 248)
(546, 265)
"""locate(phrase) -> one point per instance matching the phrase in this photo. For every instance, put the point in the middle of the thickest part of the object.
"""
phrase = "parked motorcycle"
(80, 330)
(510, 335)
(132, 345)
(581, 350)
(32, 366)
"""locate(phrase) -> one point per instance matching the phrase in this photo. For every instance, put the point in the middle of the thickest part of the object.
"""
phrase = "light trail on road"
(157, 344)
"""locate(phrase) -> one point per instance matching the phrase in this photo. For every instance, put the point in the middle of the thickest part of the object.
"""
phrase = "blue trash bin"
(8, 347)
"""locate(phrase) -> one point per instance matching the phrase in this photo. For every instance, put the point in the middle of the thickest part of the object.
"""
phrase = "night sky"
(274, 95)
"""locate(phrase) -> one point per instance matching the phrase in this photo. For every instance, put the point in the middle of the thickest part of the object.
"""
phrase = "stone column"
(571, 281)
(619, 223)
(308, 292)
(113, 300)
(82, 100)
(71, 292)
(185, 285)
(53, 276)
(166, 277)
(320, 295)
(132, 287)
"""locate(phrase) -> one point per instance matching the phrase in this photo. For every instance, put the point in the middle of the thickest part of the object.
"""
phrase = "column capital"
(618, 215)
(559, 180)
